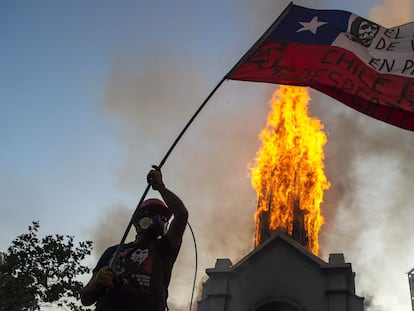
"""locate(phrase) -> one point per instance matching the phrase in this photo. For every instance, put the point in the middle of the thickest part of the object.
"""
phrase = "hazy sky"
(92, 93)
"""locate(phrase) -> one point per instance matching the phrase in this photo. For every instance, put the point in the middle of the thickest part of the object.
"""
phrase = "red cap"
(157, 205)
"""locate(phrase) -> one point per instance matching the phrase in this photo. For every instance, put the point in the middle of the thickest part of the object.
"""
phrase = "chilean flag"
(358, 62)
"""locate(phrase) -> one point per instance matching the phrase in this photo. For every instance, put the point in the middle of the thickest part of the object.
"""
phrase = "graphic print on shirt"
(139, 255)
(135, 268)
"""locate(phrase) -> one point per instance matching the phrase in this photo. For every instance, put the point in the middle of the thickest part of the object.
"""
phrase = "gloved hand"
(104, 278)
(154, 178)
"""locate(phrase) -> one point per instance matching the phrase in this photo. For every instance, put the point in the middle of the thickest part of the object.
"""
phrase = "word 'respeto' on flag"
(358, 62)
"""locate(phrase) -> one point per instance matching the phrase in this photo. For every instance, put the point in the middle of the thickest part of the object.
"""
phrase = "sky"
(92, 93)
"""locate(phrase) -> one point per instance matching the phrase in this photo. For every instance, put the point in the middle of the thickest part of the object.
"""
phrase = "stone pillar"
(215, 289)
(341, 285)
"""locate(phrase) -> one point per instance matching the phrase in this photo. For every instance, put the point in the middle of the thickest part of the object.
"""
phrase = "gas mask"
(153, 224)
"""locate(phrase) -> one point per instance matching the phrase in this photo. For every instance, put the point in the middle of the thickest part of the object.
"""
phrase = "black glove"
(154, 178)
(104, 278)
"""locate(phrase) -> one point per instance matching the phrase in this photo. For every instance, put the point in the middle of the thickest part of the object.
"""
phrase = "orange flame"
(287, 173)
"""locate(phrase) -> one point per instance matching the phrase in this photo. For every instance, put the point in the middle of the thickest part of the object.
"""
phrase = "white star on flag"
(312, 26)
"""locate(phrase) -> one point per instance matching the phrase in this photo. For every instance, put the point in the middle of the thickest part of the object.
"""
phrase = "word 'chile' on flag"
(356, 61)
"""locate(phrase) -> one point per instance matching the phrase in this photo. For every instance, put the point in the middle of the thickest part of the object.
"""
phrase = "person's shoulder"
(113, 247)
(110, 250)
(105, 257)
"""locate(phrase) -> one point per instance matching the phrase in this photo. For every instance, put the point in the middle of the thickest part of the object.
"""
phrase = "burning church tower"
(284, 272)
(288, 173)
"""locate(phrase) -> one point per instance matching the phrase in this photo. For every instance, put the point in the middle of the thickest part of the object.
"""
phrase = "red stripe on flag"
(336, 72)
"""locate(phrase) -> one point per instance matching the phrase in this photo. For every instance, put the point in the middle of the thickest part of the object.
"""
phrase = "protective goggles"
(147, 221)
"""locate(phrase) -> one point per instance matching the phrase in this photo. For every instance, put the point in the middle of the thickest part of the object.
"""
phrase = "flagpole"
(259, 42)
(160, 165)
(164, 159)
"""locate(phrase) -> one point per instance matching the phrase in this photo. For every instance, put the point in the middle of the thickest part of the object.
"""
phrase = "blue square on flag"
(309, 26)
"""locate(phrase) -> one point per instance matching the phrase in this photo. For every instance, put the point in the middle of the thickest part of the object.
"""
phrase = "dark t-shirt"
(144, 275)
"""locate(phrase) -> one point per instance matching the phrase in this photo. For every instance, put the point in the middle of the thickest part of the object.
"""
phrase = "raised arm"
(174, 203)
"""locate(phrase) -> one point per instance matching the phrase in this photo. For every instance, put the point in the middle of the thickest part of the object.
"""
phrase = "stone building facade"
(281, 275)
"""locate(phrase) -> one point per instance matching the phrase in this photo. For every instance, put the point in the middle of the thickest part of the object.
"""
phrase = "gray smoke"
(111, 227)
(368, 209)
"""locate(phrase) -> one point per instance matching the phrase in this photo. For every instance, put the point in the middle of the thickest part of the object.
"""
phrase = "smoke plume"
(368, 212)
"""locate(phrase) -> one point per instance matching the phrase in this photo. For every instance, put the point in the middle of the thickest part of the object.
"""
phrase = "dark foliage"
(42, 272)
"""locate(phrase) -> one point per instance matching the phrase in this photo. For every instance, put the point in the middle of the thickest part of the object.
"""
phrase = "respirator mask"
(152, 223)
